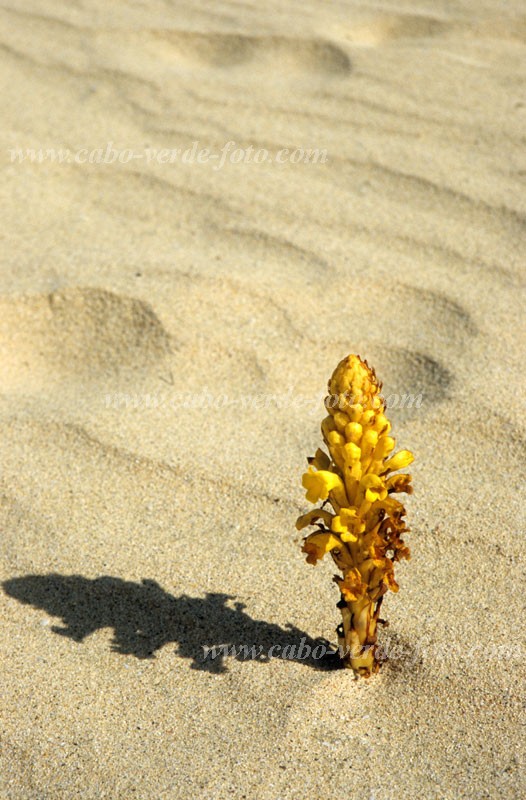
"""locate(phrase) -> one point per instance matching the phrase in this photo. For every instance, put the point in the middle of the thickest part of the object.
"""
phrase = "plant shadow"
(144, 618)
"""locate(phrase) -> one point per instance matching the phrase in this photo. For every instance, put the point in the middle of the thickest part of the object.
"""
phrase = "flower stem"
(357, 635)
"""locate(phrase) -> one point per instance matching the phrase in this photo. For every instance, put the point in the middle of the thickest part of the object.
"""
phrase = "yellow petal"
(382, 424)
(341, 420)
(336, 524)
(384, 447)
(351, 452)
(345, 524)
(368, 416)
(317, 544)
(354, 412)
(370, 438)
(312, 516)
(399, 461)
(353, 432)
(374, 488)
(335, 439)
(369, 441)
(319, 483)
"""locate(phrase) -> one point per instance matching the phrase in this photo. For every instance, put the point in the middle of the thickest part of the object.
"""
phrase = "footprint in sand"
(78, 333)
(274, 55)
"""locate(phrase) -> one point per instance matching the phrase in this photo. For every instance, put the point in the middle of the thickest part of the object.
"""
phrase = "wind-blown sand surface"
(135, 533)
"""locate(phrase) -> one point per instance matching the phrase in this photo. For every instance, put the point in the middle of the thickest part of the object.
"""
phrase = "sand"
(166, 334)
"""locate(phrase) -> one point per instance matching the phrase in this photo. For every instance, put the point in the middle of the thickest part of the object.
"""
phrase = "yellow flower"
(353, 432)
(351, 452)
(319, 483)
(312, 516)
(335, 439)
(382, 424)
(374, 488)
(369, 441)
(354, 412)
(368, 416)
(341, 421)
(317, 544)
(384, 446)
(399, 461)
(347, 524)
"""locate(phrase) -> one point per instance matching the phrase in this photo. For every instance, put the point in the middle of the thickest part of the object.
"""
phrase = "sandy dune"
(166, 334)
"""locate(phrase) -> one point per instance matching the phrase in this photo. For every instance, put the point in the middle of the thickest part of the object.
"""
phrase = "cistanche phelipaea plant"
(359, 521)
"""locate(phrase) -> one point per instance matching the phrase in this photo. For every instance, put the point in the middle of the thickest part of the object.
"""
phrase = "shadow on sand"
(144, 618)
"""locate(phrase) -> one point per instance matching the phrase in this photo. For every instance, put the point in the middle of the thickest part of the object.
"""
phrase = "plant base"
(357, 635)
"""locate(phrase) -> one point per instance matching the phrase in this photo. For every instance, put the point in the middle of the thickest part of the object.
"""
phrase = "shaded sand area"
(166, 334)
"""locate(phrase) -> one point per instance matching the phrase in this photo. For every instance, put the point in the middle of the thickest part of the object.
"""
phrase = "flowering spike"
(363, 535)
